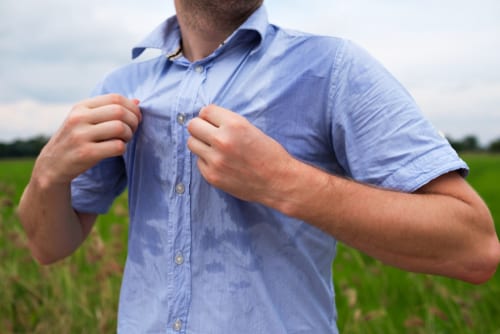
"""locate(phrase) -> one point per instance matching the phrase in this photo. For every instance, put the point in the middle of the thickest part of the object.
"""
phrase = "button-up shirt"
(201, 261)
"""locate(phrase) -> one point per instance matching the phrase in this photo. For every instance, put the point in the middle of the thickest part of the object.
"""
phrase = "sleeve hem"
(400, 181)
(81, 205)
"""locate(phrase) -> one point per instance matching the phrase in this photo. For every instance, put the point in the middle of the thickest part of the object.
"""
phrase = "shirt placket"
(180, 230)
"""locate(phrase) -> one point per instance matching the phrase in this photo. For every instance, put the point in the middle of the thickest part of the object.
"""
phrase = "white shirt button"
(198, 69)
(177, 326)
(181, 119)
(179, 259)
(180, 188)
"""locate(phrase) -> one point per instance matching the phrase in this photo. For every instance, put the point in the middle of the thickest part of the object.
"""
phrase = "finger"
(102, 100)
(202, 167)
(113, 112)
(201, 150)
(198, 147)
(109, 148)
(137, 102)
(216, 115)
(91, 153)
(110, 130)
(202, 130)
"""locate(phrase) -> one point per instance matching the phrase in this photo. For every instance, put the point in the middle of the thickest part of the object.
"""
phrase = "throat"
(199, 44)
(205, 25)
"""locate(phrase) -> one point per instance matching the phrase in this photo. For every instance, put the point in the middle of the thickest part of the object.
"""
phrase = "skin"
(206, 24)
(444, 228)
(95, 129)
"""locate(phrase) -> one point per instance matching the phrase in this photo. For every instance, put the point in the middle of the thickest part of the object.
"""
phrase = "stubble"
(221, 15)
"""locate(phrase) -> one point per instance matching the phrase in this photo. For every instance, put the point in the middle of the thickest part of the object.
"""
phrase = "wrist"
(45, 177)
(297, 184)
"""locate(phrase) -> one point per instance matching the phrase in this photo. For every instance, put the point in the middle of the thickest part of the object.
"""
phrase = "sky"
(446, 53)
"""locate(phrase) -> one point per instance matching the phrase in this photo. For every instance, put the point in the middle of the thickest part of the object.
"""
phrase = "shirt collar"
(166, 37)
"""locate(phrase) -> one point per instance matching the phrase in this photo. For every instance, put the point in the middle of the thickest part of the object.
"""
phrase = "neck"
(206, 24)
(200, 43)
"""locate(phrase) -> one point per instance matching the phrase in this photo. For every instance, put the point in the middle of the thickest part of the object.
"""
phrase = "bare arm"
(53, 228)
(444, 228)
(95, 129)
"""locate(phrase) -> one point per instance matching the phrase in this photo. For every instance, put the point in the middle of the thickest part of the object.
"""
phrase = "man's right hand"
(95, 129)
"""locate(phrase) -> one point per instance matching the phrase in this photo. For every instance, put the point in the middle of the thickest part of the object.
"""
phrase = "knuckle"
(120, 129)
(190, 143)
(218, 163)
(237, 124)
(119, 147)
(210, 172)
(191, 125)
(212, 177)
(78, 107)
(135, 122)
(73, 120)
(76, 116)
(223, 143)
(84, 153)
(74, 139)
(115, 98)
(70, 136)
(205, 111)
(118, 111)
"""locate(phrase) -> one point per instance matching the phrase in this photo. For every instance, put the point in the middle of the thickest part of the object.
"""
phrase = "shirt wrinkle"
(198, 258)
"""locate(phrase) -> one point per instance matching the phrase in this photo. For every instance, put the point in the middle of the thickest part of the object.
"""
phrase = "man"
(248, 150)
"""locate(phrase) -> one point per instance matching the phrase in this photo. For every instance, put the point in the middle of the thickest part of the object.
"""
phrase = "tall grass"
(80, 294)
(374, 298)
(77, 295)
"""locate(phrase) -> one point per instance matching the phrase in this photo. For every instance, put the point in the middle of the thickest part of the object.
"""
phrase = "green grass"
(373, 298)
(77, 295)
(485, 177)
(80, 294)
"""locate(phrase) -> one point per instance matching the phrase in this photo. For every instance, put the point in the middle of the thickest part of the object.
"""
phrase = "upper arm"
(454, 185)
(379, 135)
(451, 184)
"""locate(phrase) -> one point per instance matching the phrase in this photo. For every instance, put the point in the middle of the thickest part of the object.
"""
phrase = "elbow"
(42, 251)
(484, 269)
(38, 253)
(44, 260)
(43, 257)
(484, 256)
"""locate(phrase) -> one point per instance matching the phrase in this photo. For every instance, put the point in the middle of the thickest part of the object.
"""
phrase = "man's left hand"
(237, 157)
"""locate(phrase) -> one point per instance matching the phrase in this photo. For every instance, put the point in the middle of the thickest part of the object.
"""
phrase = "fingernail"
(136, 102)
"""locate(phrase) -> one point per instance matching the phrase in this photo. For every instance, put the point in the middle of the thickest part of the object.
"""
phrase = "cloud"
(460, 111)
(56, 51)
(27, 118)
(446, 53)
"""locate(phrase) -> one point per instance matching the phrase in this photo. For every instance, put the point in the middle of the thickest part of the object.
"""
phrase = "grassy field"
(80, 294)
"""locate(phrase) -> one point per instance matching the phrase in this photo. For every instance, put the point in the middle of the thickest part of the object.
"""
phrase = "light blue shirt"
(203, 262)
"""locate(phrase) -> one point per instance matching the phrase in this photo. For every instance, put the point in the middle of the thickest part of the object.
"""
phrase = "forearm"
(444, 229)
(95, 129)
(53, 228)
(426, 232)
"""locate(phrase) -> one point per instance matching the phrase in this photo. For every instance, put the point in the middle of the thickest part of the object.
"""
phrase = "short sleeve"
(95, 190)
(379, 134)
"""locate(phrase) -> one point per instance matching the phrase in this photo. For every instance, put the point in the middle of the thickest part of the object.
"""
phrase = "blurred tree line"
(470, 143)
(31, 147)
(23, 148)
